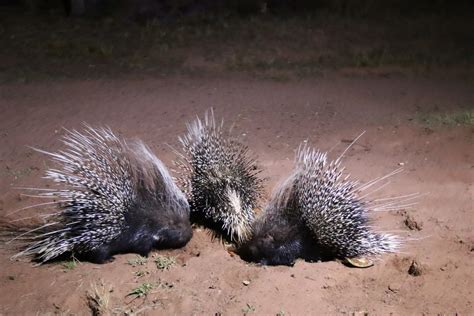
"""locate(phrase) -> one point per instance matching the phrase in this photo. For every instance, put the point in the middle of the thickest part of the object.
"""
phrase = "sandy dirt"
(273, 118)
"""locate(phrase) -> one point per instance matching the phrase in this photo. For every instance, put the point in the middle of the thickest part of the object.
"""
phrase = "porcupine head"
(279, 236)
(111, 196)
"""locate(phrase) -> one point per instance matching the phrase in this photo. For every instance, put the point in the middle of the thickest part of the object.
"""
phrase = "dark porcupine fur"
(318, 215)
(279, 236)
(113, 196)
(220, 179)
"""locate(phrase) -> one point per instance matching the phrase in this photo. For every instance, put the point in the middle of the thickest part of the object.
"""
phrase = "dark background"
(280, 39)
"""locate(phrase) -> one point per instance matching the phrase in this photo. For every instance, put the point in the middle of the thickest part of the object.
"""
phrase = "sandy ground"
(273, 118)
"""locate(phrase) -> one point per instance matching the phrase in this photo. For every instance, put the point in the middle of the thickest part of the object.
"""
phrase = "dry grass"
(98, 298)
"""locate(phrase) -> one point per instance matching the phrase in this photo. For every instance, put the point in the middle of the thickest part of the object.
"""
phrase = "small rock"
(449, 266)
(360, 313)
(394, 287)
(415, 269)
(412, 224)
(11, 277)
(246, 282)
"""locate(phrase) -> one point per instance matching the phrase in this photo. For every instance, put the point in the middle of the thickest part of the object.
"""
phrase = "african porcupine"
(316, 214)
(115, 196)
(220, 179)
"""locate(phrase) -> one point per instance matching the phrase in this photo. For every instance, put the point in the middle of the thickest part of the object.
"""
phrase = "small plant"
(139, 273)
(448, 119)
(138, 261)
(248, 309)
(164, 262)
(70, 264)
(98, 298)
(141, 290)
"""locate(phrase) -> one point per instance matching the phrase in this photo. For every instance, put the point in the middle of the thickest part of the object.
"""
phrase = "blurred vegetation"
(273, 39)
(458, 118)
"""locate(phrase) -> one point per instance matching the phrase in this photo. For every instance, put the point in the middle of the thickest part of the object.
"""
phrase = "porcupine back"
(112, 196)
(332, 209)
(220, 178)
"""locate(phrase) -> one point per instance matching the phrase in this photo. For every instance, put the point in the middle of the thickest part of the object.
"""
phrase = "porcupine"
(220, 178)
(114, 196)
(316, 214)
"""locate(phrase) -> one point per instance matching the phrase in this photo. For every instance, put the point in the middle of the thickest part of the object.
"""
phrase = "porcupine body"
(113, 196)
(220, 179)
(316, 214)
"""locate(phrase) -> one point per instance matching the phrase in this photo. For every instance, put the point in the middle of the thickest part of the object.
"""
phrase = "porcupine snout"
(176, 234)
(161, 224)
(275, 240)
(268, 251)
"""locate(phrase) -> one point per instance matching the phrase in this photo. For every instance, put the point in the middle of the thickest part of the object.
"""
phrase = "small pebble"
(394, 287)
(415, 269)
(246, 282)
(412, 224)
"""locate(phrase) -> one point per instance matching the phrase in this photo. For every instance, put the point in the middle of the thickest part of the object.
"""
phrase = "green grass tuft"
(141, 290)
(70, 264)
(138, 261)
(165, 262)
